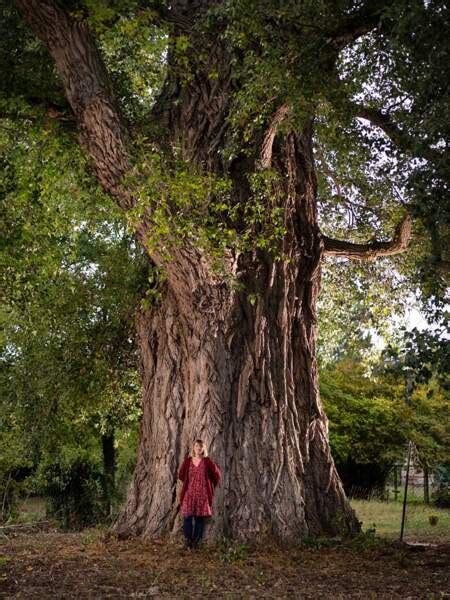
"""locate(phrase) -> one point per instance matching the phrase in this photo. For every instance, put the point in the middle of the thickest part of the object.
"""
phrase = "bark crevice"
(248, 386)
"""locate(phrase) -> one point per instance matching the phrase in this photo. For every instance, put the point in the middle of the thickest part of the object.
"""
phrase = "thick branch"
(374, 249)
(87, 89)
(400, 138)
(267, 145)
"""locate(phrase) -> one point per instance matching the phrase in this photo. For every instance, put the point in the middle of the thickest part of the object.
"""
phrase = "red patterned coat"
(213, 476)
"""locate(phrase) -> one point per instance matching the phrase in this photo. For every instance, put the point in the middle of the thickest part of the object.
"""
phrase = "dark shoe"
(188, 544)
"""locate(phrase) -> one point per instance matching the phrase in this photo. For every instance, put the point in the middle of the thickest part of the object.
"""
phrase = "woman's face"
(198, 449)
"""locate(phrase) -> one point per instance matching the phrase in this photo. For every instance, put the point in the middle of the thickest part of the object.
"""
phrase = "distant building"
(416, 476)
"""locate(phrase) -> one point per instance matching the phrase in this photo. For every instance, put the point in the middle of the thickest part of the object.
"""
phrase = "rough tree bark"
(236, 367)
(242, 375)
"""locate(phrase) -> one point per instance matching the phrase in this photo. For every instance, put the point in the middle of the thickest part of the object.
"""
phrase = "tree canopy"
(376, 82)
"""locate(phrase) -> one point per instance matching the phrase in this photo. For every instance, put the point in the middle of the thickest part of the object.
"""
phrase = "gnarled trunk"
(238, 369)
(234, 366)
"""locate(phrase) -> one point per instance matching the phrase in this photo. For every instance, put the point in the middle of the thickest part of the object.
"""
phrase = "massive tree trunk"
(234, 365)
(242, 377)
(238, 369)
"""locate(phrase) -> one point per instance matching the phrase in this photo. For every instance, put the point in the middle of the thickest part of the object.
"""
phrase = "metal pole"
(409, 385)
(406, 490)
(395, 482)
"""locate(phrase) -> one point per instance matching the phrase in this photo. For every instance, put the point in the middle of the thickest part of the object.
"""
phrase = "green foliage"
(366, 540)
(153, 294)
(127, 439)
(135, 52)
(187, 204)
(14, 461)
(179, 200)
(277, 58)
(72, 483)
(370, 422)
(357, 301)
(26, 67)
(279, 55)
(402, 70)
(69, 274)
(71, 279)
(232, 552)
(366, 416)
(441, 494)
(421, 354)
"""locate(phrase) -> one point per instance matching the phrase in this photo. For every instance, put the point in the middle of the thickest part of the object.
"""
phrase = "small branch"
(400, 138)
(374, 249)
(33, 524)
(350, 204)
(326, 169)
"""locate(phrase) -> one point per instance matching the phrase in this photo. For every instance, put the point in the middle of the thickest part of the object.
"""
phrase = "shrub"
(441, 495)
(73, 488)
(15, 466)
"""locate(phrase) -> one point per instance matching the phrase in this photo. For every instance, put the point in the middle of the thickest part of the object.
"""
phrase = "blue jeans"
(193, 532)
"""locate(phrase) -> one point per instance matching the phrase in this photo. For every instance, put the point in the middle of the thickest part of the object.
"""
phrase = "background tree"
(72, 277)
(420, 357)
(370, 423)
(216, 173)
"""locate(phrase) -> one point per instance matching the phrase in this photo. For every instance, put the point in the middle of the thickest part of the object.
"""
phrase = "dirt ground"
(92, 564)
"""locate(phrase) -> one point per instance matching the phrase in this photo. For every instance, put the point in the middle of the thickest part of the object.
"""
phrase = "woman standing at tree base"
(199, 475)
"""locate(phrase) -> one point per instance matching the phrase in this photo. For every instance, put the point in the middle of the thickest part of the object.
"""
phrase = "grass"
(387, 517)
(384, 516)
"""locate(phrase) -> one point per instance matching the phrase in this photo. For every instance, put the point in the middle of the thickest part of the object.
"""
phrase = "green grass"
(387, 517)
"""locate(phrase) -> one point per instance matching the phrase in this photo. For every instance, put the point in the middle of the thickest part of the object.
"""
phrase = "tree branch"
(400, 138)
(267, 145)
(358, 24)
(374, 249)
(87, 89)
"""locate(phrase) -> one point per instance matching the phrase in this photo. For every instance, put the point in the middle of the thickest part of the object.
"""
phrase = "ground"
(39, 561)
(94, 564)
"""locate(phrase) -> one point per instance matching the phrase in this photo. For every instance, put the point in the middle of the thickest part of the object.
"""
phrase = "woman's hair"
(205, 449)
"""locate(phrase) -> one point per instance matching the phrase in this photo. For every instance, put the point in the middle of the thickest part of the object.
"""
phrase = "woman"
(199, 475)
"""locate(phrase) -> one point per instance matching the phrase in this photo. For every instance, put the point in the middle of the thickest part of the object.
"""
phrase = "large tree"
(221, 178)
